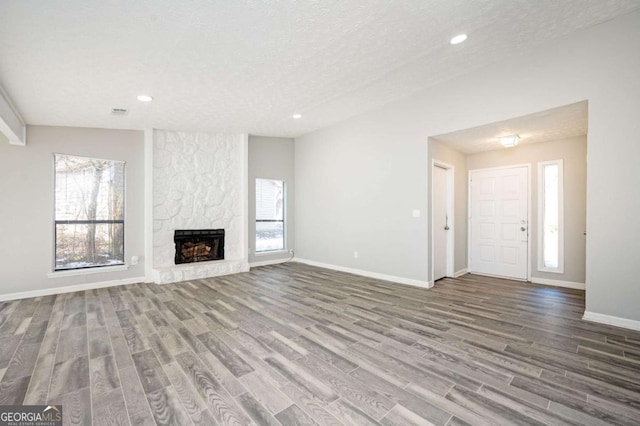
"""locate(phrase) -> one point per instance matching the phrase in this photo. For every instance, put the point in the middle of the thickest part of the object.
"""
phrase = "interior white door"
(499, 222)
(439, 222)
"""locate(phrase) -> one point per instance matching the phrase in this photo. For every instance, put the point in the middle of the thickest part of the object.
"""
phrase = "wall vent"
(119, 111)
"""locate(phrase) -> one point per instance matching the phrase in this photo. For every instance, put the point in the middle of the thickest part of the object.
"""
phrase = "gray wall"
(573, 152)
(358, 180)
(358, 183)
(441, 152)
(26, 214)
(271, 158)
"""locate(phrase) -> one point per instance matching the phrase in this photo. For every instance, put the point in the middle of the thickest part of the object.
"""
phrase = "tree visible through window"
(269, 215)
(89, 212)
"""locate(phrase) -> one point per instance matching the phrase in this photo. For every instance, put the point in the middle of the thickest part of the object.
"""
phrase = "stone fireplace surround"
(198, 181)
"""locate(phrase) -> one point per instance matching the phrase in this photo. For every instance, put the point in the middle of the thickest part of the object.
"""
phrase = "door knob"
(522, 228)
(446, 228)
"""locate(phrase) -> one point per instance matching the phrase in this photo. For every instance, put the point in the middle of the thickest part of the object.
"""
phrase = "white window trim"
(96, 269)
(270, 252)
(87, 271)
(541, 267)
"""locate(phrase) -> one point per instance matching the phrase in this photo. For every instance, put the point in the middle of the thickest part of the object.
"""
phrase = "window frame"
(541, 214)
(284, 218)
(93, 268)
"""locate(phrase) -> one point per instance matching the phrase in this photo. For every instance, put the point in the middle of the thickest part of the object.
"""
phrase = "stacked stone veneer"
(197, 184)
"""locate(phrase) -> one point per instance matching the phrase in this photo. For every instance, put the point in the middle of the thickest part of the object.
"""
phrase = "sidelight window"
(550, 217)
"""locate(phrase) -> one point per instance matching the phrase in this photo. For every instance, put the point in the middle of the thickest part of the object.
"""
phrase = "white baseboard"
(269, 262)
(69, 289)
(460, 273)
(611, 320)
(558, 283)
(392, 278)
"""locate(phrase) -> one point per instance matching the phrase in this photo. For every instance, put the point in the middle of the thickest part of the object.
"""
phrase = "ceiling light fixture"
(297, 116)
(145, 98)
(458, 39)
(509, 141)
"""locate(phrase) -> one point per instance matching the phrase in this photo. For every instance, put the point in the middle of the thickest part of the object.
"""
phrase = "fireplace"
(199, 245)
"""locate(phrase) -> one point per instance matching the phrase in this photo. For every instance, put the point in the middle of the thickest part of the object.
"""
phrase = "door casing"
(450, 170)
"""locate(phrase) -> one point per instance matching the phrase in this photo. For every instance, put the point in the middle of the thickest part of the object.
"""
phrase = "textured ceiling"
(550, 125)
(247, 66)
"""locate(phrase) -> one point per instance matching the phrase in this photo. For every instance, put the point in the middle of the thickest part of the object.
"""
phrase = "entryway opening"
(519, 194)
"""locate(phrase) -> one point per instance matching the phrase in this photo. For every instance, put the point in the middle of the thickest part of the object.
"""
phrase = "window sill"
(270, 252)
(552, 271)
(87, 271)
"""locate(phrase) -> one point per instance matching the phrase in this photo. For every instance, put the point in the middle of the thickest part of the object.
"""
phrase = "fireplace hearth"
(198, 245)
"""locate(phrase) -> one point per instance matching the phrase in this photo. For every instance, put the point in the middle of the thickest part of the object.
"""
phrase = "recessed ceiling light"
(458, 39)
(145, 98)
(297, 116)
(509, 141)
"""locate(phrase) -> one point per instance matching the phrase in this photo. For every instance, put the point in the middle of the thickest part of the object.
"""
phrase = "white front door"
(499, 221)
(439, 222)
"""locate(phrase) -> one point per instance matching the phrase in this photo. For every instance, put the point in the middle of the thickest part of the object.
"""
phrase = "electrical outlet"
(415, 213)
(355, 254)
(135, 260)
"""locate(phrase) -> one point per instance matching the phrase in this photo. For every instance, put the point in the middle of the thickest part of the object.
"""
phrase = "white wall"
(26, 210)
(357, 181)
(271, 158)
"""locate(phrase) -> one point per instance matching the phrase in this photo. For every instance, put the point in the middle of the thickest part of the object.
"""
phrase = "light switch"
(416, 213)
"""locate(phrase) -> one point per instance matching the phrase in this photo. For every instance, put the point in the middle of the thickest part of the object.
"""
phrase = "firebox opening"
(198, 245)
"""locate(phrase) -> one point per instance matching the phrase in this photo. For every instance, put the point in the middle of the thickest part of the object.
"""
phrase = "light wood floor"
(296, 345)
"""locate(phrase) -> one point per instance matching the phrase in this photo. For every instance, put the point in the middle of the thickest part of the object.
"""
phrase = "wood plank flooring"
(296, 345)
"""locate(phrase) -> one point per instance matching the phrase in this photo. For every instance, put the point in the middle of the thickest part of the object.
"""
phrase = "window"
(269, 215)
(550, 217)
(89, 212)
